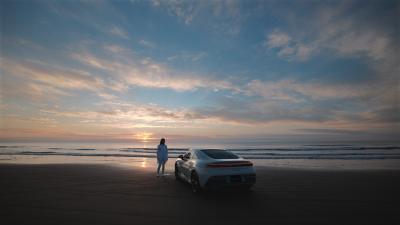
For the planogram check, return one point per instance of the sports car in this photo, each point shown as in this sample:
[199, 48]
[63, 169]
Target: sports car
[214, 169]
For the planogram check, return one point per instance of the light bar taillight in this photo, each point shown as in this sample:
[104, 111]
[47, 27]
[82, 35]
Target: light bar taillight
[229, 164]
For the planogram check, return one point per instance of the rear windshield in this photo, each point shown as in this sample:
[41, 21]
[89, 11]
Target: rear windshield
[219, 154]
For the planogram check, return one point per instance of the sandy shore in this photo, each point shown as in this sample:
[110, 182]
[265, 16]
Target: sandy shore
[101, 194]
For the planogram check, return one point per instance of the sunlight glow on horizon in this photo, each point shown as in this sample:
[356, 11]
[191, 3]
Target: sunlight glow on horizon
[144, 136]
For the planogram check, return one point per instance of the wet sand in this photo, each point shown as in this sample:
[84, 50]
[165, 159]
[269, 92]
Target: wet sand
[102, 194]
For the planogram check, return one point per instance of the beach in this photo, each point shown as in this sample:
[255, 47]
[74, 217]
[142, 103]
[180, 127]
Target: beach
[96, 95]
[111, 194]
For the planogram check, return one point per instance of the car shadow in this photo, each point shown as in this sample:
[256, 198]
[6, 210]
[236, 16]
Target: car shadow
[220, 192]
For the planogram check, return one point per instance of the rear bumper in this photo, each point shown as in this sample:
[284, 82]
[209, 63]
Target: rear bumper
[231, 181]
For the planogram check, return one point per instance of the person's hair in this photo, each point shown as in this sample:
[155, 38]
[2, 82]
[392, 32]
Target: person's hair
[162, 141]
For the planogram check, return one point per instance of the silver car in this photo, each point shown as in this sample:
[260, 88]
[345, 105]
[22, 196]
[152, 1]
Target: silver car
[214, 169]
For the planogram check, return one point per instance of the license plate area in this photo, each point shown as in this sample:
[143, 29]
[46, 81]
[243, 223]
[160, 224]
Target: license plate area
[236, 179]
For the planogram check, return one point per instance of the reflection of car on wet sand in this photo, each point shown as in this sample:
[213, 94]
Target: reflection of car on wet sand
[214, 169]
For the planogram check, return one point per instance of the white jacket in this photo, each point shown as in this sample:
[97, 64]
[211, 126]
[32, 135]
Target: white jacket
[162, 153]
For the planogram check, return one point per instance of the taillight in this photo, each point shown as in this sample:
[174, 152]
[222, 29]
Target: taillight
[230, 164]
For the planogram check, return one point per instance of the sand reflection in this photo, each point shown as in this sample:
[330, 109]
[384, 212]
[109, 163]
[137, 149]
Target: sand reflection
[144, 163]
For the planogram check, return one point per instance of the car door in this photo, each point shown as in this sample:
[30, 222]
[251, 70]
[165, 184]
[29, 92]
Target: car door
[186, 165]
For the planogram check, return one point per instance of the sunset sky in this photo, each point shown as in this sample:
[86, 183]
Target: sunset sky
[199, 70]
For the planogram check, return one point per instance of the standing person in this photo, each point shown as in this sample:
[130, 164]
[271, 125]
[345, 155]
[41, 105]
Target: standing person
[162, 156]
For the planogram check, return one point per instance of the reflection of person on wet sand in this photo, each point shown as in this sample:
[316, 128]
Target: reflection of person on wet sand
[162, 156]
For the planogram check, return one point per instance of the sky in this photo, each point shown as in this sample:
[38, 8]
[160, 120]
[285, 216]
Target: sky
[242, 71]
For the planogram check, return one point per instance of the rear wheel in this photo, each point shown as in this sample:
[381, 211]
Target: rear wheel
[177, 172]
[195, 182]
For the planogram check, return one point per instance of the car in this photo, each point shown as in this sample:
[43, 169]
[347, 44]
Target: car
[214, 169]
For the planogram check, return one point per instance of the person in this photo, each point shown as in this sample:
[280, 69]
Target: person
[162, 156]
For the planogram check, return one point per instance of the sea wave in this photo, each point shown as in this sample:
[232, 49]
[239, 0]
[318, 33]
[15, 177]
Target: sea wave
[154, 151]
[246, 156]
[316, 151]
[320, 148]
[78, 149]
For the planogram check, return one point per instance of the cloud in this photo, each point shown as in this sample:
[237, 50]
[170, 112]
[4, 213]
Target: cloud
[330, 28]
[254, 103]
[294, 91]
[95, 15]
[29, 44]
[388, 114]
[146, 73]
[119, 32]
[185, 56]
[129, 115]
[286, 52]
[277, 39]
[269, 101]
[311, 102]
[330, 131]
[223, 16]
[352, 35]
[115, 48]
[43, 80]
[303, 52]
[90, 60]
[50, 75]
[288, 48]
[269, 98]
[12, 89]
[184, 10]
[373, 45]
[368, 34]
[157, 76]
[261, 113]
[147, 44]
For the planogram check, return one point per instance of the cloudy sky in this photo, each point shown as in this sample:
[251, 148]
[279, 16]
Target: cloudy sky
[199, 70]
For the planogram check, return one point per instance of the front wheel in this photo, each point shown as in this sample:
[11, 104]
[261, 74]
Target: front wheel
[195, 182]
[176, 172]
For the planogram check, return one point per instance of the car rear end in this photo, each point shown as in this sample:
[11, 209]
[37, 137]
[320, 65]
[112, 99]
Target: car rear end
[226, 171]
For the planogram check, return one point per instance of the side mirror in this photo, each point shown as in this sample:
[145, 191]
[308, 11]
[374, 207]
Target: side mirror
[180, 156]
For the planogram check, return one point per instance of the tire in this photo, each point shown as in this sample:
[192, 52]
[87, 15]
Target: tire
[195, 182]
[177, 173]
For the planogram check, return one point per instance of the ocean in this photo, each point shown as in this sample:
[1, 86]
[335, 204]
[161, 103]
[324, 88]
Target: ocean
[303, 155]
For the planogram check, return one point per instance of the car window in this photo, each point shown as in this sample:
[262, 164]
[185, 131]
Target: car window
[219, 154]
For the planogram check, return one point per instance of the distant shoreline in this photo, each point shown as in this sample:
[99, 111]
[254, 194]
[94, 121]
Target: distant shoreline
[312, 156]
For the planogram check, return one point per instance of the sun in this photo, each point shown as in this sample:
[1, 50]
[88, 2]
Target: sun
[144, 136]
